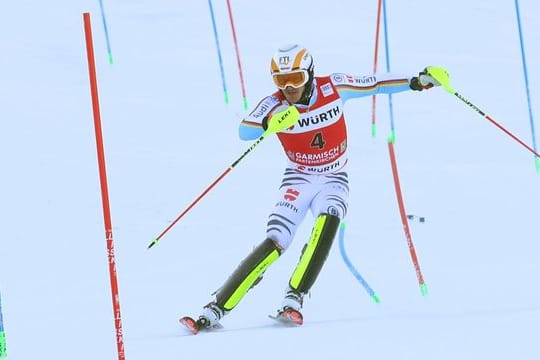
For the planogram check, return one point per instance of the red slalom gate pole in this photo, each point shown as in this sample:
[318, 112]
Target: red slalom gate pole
[104, 189]
[375, 65]
[405, 221]
[244, 96]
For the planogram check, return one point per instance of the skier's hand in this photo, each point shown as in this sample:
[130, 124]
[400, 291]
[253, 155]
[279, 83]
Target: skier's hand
[283, 117]
[264, 123]
[423, 81]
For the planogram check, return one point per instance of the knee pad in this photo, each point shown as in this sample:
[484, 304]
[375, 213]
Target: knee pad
[314, 253]
[247, 274]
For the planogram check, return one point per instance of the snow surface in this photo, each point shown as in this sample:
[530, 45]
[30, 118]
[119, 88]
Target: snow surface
[168, 134]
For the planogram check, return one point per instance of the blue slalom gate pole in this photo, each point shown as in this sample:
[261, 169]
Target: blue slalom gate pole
[351, 267]
[103, 18]
[218, 47]
[392, 137]
[3, 350]
[526, 76]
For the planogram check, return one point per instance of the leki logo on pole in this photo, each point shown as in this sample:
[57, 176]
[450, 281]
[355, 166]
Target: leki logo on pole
[284, 116]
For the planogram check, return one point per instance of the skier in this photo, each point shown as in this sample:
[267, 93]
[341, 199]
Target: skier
[315, 177]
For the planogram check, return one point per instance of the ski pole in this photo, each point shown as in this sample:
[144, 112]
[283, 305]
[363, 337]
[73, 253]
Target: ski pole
[277, 123]
[443, 78]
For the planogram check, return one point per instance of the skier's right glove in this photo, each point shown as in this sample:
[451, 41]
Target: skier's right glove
[264, 123]
[423, 81]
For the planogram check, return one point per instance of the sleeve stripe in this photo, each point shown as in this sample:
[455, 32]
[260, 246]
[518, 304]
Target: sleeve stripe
[382, 84]
[251, 124]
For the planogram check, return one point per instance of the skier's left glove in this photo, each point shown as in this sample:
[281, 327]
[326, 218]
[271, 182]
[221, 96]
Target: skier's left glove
[423, 81]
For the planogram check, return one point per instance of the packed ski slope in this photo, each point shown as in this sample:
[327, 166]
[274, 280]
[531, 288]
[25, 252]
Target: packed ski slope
[168, 134]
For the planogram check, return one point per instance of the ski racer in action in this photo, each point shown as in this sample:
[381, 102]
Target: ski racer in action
[315, 176]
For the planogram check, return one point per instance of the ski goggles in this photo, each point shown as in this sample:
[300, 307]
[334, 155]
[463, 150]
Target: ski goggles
[296, 79]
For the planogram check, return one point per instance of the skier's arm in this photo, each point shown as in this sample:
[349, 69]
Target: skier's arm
[253, 125]
[350, 86]
[250, 130]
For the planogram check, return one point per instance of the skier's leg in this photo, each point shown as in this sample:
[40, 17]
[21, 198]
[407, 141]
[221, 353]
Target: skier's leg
[244, 277]
[247, 274]
[291, 207]
[333, 197]
[311, 261]
[330, 204]
[295, 195]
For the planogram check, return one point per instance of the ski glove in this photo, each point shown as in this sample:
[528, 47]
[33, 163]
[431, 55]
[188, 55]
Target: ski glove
[423, 81]
[264, 123]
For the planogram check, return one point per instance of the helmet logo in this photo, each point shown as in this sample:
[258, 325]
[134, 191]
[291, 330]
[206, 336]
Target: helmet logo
[284, 60]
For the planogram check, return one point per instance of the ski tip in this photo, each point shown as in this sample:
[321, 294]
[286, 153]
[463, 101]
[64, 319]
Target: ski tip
[288, 317]
[196, 326]
[189, 324]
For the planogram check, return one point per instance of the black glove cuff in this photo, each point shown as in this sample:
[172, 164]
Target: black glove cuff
[264, 123]
[415, 84]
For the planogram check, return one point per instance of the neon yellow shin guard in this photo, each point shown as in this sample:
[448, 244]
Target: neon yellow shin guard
[314, 253]
[247, 274]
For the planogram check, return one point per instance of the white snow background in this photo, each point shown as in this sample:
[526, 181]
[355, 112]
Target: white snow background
[168, 134]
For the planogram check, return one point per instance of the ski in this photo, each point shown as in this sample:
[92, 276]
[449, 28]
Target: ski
[288, 317]
[190, 325]
[194, 326]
